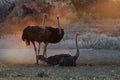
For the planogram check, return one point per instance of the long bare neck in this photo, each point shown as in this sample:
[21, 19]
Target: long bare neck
[77, 48]
[58, 23]
[43, 22]
[76, 41]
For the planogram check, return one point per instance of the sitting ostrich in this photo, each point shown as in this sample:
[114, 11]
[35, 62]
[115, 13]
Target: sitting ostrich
[62, 59]
[45, 34]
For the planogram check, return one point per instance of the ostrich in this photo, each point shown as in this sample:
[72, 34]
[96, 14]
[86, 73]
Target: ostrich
[45, 34]
[62, 59]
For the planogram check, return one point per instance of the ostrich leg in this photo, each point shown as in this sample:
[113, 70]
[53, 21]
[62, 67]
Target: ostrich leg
[45, 49]
[39, 48]
[35, 48]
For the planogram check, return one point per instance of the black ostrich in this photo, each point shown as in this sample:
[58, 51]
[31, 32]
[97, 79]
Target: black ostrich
[62, 59]
[45, 34]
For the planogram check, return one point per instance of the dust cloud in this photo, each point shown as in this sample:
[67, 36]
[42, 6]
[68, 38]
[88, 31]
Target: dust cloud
[14, 51]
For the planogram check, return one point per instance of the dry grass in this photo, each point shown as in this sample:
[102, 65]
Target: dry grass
[35, 72]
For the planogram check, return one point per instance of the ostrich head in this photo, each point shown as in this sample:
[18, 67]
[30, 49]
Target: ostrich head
[58, 22]
[77, 33]
[45, 15]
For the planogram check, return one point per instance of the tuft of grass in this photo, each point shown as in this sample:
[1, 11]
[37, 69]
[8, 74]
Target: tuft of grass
[42, 74]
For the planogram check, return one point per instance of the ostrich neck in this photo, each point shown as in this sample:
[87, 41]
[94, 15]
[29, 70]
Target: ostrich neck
[59, 26]
[43, 23]
[77, 48]
[76, 41]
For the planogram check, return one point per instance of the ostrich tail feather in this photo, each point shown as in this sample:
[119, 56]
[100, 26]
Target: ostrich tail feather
[27, 43]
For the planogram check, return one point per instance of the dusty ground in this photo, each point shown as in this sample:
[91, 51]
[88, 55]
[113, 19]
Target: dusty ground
[34, 72]
[17, 64]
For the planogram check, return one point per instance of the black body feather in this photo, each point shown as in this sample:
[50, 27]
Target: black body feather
[36, 33]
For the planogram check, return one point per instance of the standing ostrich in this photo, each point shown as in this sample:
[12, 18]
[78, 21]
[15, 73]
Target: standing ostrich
[45, 34]
[62, 59]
